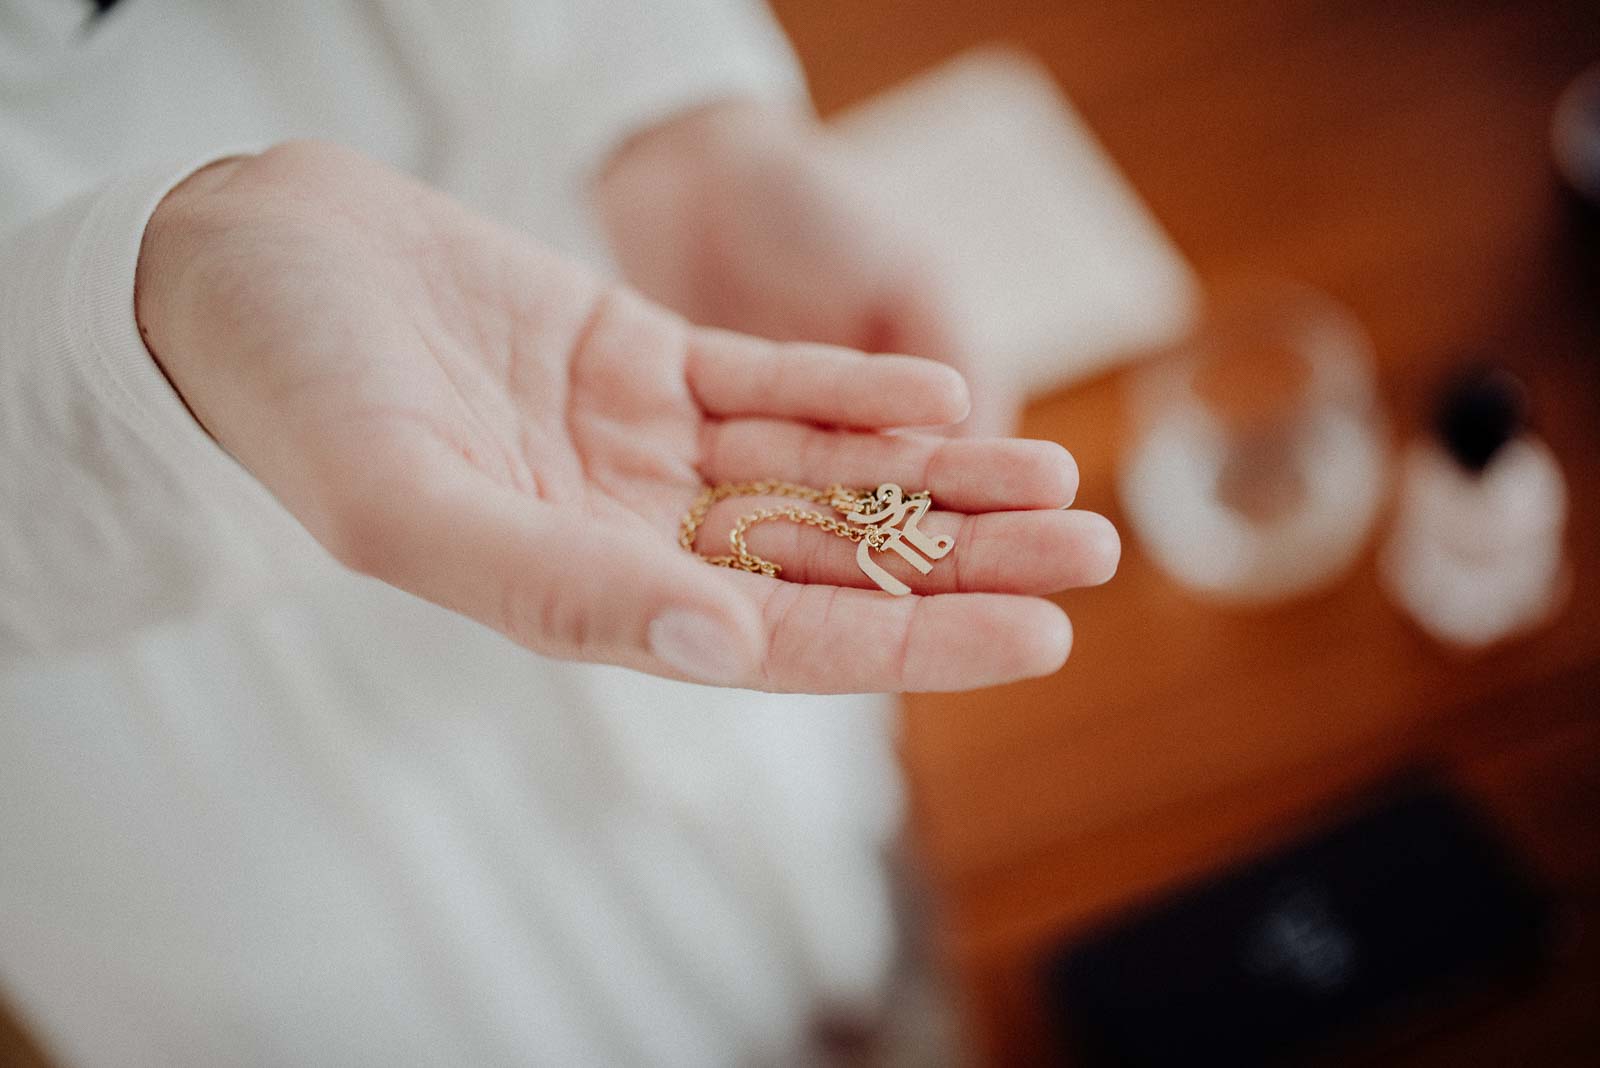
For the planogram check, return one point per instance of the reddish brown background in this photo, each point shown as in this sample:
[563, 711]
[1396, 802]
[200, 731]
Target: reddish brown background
[1395, 154]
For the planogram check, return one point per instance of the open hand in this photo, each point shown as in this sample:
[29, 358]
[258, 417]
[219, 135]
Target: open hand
[756, 218]
[451, 408]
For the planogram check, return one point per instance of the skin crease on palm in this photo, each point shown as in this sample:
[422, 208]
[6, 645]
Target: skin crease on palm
[450, 407]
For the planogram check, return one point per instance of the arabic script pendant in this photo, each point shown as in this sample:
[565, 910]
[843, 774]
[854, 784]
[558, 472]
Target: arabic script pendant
[879, 512]
[870, 520]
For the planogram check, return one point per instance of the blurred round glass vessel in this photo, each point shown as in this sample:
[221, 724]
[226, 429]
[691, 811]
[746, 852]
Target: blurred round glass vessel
[1258, 465]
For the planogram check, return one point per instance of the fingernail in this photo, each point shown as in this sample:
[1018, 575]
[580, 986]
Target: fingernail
[965, 400]
[1107, 551]
[698, 646]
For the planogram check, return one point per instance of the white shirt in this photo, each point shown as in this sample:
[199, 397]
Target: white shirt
[255, 809]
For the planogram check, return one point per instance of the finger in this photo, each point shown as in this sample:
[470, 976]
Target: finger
[920, 316]
[555, 581]
[824, 639]
[968, 475]
[996, 409]
[1034, 552]
[732, 374]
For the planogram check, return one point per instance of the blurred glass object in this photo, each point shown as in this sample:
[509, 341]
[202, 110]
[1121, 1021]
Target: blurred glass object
[1258, 466]
[1476, 552]
[1575, 135]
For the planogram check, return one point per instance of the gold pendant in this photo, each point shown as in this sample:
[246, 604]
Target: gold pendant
[879, 512]
[870, 520]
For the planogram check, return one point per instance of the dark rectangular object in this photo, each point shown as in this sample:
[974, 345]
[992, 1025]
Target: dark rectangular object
[1401, 906]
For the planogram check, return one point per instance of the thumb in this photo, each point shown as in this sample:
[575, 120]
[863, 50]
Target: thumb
[562, 583]
[996, 408]
[921, 317]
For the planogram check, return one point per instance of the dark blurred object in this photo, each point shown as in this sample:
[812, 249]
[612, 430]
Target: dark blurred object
[1388, 913]
[1480, 410]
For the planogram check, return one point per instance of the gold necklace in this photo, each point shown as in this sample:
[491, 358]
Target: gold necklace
[869, 521]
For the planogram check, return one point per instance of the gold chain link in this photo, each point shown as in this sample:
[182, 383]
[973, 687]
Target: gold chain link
[840, 499]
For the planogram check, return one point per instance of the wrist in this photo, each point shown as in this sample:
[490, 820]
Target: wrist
[720, 136]
[704, 158]
[172, 241]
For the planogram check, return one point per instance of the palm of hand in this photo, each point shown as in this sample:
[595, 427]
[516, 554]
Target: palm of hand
[457, 411]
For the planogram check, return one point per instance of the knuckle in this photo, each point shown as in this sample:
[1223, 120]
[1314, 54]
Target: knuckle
[539, 616]
[777, 617]
[961, 572]
[904, 667]
[934, 462]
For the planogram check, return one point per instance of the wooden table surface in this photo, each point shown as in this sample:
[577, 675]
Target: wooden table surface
[1393, 153]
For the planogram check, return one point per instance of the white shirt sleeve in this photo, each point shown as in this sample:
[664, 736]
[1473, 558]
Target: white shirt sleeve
[116, 508]
[638, 62]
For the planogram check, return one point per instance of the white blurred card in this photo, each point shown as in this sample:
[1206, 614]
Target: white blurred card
[1059, 269]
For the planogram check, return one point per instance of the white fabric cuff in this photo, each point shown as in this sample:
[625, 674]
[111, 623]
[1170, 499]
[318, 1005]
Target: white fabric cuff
[120, 509]
[102, 327]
